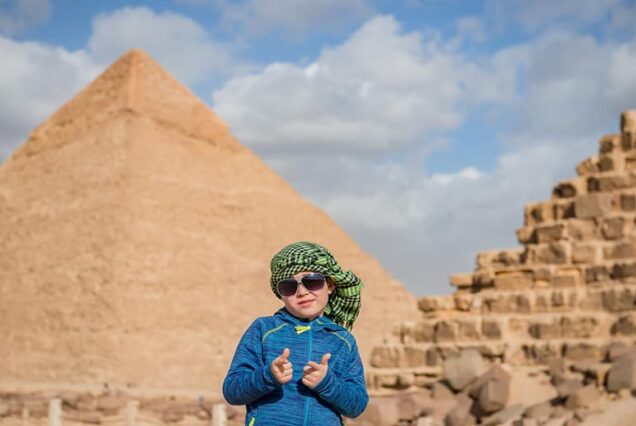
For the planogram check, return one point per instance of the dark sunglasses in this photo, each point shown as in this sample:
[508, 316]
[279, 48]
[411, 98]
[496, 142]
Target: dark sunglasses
[312, 282]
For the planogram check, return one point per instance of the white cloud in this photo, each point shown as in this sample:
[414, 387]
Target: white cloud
[295, 18]
[380, 90]
[180, 44]
[35, 80]
[17, 15]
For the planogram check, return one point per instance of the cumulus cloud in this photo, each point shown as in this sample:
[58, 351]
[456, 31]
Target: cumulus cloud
[177, 42]
[380, 90]
[17, 15]
[35, 80]
[294, 17]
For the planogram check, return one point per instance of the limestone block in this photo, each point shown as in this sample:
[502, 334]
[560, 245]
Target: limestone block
[563, 209]
[582, 351]
[444, 331]
[611, 181]
[628, 130]
[620, 250]
[527, 235]
[622, 374]
[551, 233]
[499, 258]
[597, 273]
[545, 330]
[541, 411]
[613, 162]
[583, 397]
[462, 369]
[467, 329]
[461, 281]
[627, 202]
[460, 414]
[609, 143]
[491, 329]
[566, 277]
[389, 356]
[441, 392]
[538, 213]
[585, 253]
[483, 278]
[419, 332]
[624, 326]
[579, 327]
[432, 357]
[618, 349]
[429, 304]
[569, 188]
[381, 410]
[615, 300]
[514, 280]
[582, 230]
[567, 387]
[493, 395]
[463, 302]
[613, 228]
[592, 205]
[629, 161]
[587, 166]
[552, 253]
[539, 353]
[624, 271]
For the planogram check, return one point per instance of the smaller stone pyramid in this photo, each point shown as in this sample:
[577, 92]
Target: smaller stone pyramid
[135, 239]
[569, 291]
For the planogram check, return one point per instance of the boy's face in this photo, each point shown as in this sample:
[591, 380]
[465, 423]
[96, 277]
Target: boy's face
[308, 304]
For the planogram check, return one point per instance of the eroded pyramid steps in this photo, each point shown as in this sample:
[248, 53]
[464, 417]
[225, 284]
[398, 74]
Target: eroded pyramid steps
[135, 239]
[569, 290]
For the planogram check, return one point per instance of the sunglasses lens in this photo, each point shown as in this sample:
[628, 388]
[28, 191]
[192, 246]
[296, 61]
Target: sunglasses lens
[287, 287]
[313, 282]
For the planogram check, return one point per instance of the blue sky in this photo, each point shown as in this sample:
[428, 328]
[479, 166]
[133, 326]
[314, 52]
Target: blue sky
[429, 123]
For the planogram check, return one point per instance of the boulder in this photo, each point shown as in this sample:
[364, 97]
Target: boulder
[540, 412]
[460, 415]
[583, 397]
[381, 411]
[622, 374]
[462, 369]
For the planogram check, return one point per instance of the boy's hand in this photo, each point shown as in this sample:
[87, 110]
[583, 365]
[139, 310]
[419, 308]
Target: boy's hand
[313, 373]
[281, 368]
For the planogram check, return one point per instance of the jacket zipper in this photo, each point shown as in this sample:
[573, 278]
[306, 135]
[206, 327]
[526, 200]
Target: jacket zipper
[308, 399]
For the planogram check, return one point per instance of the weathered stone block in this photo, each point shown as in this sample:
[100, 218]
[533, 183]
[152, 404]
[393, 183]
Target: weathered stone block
[618, 349]
[609, 143]
[592, 205]
[582, 229]
[615, 300]
[498, 259]
[460, 370]
[567, 277]
[444, 331]
[551, 233]
[491, 329]
[583, 397]
[541, 411]
[628, 130]
[582, 351]
[541, 352]
[512, 280]
[461, 281]
[622, 374]
[526, 235]
[611, 162]
[597, 273]
[585, 253]
[460, 414]
[620, 250]
[467, 330]
[587, 166]
[579, 327]
[494, 394]
[545, 330]
[623, 271]
[567, 387]
[563, 210]
[613, 228]
[624, 326]
[569, 188]
[463, 302]
[419, 332]
[628, 202]
[538, 213]
[611, 181]
[428, 304]
[553, 253]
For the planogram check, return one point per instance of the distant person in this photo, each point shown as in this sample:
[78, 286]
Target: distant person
[301, 366]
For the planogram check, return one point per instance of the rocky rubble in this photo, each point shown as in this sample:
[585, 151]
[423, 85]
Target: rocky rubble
[472, 393]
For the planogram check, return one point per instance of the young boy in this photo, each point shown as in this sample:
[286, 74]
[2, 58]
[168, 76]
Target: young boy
[301, 366]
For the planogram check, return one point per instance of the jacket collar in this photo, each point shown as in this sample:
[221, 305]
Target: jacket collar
[318, 323]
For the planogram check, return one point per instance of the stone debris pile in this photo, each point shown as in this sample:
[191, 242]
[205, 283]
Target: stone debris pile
[472, 393]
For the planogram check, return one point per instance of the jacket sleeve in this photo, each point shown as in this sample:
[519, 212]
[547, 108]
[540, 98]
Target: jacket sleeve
[346, 392]
[248, 378]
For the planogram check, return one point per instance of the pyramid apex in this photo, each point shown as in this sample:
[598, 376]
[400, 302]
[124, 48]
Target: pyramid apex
[134, 84]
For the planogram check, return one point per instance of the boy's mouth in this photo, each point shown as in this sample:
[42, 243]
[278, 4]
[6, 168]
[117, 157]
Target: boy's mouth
[305, 303]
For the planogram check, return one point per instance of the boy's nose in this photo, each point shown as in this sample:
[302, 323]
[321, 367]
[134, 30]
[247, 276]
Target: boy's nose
[301, 290]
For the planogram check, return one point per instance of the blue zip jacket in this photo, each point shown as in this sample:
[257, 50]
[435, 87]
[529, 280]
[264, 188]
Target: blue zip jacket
[250, 381]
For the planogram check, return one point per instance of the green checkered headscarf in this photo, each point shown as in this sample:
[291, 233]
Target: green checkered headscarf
[344, 303]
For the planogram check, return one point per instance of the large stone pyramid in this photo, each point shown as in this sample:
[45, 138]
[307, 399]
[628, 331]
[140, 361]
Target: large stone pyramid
[135, 236]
